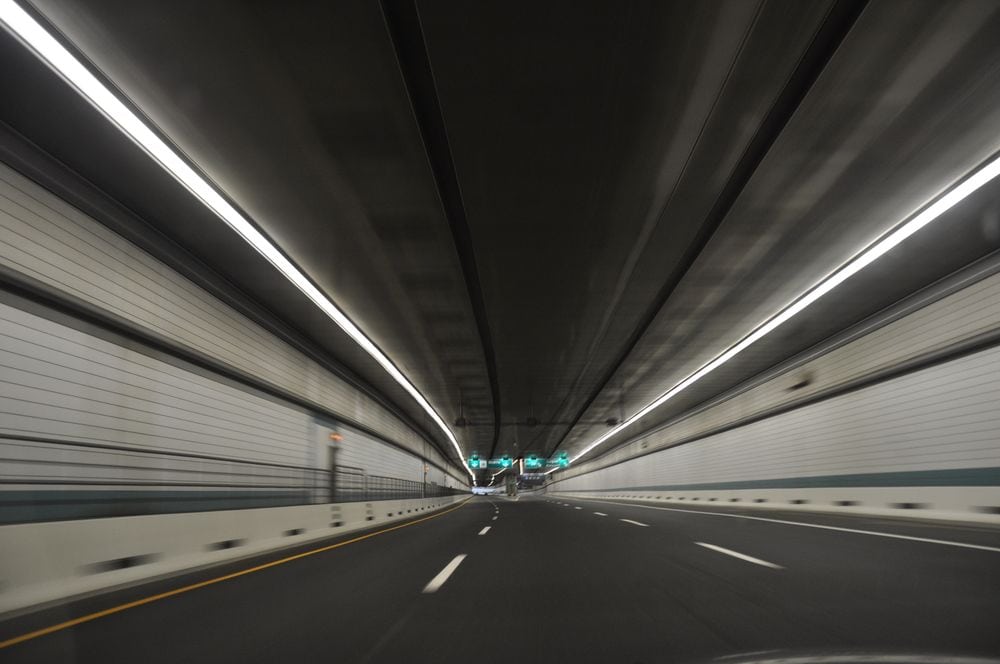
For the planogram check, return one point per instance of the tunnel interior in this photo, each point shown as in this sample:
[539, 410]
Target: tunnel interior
[429, 330]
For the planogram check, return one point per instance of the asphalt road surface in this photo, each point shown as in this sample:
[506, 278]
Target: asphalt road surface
[548, 579]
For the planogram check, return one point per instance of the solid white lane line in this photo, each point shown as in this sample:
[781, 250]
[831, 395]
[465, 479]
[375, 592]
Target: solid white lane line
[600, 513]
[741, 556]
[856, 531]
[635, 523]
[484, 530]
[442, 576]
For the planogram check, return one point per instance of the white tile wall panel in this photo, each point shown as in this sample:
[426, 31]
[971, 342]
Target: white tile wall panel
[48, 240]
[942, 417]
[439, 477]
[967, 313]
[57, 382]
[972, 311]
[359, 450]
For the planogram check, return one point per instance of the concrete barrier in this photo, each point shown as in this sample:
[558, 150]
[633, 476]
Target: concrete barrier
[964, 504]
[43, 563]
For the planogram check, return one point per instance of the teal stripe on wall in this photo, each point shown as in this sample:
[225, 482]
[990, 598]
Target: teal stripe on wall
[32, 506]
[948, 477]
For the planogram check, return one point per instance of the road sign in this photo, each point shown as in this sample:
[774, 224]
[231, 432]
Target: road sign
[534, 462]
[503, 462]
[561, 460]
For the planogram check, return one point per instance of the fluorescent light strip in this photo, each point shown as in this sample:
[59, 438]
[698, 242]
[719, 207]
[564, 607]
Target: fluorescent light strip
[866, 257]
[22, 25]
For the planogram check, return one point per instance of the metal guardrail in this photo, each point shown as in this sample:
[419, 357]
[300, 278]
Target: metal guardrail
[49, 479]
[354, 485]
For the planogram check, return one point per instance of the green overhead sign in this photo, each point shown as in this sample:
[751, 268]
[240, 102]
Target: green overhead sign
[503, 462]
[533, 462]
[561, 460]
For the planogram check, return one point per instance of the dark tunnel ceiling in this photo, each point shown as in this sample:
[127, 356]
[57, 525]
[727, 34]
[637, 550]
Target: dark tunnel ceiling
[639, 183]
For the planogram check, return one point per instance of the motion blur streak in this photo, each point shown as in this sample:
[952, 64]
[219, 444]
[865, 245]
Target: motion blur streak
[732, 266]
[21, 24]
[945, 202]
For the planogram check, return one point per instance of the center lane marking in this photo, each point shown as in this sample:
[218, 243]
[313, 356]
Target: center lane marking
[741, 556]
[635, 523]
[803, 524]
[442, 576]
[484, 530]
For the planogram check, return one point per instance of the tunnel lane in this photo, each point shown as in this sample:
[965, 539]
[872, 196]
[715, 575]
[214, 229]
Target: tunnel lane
[552, 583]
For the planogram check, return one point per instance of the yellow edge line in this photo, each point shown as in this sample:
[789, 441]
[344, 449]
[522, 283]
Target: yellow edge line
[201, 584]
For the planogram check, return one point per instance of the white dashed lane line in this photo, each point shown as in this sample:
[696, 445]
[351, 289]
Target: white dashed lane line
[741, 556]
[600, 513]
[635, 523]
[485, 530]
[442, 576]
[805, 524]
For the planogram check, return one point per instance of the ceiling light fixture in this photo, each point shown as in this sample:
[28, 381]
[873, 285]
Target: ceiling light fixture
[973, 182]
[19, 23]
